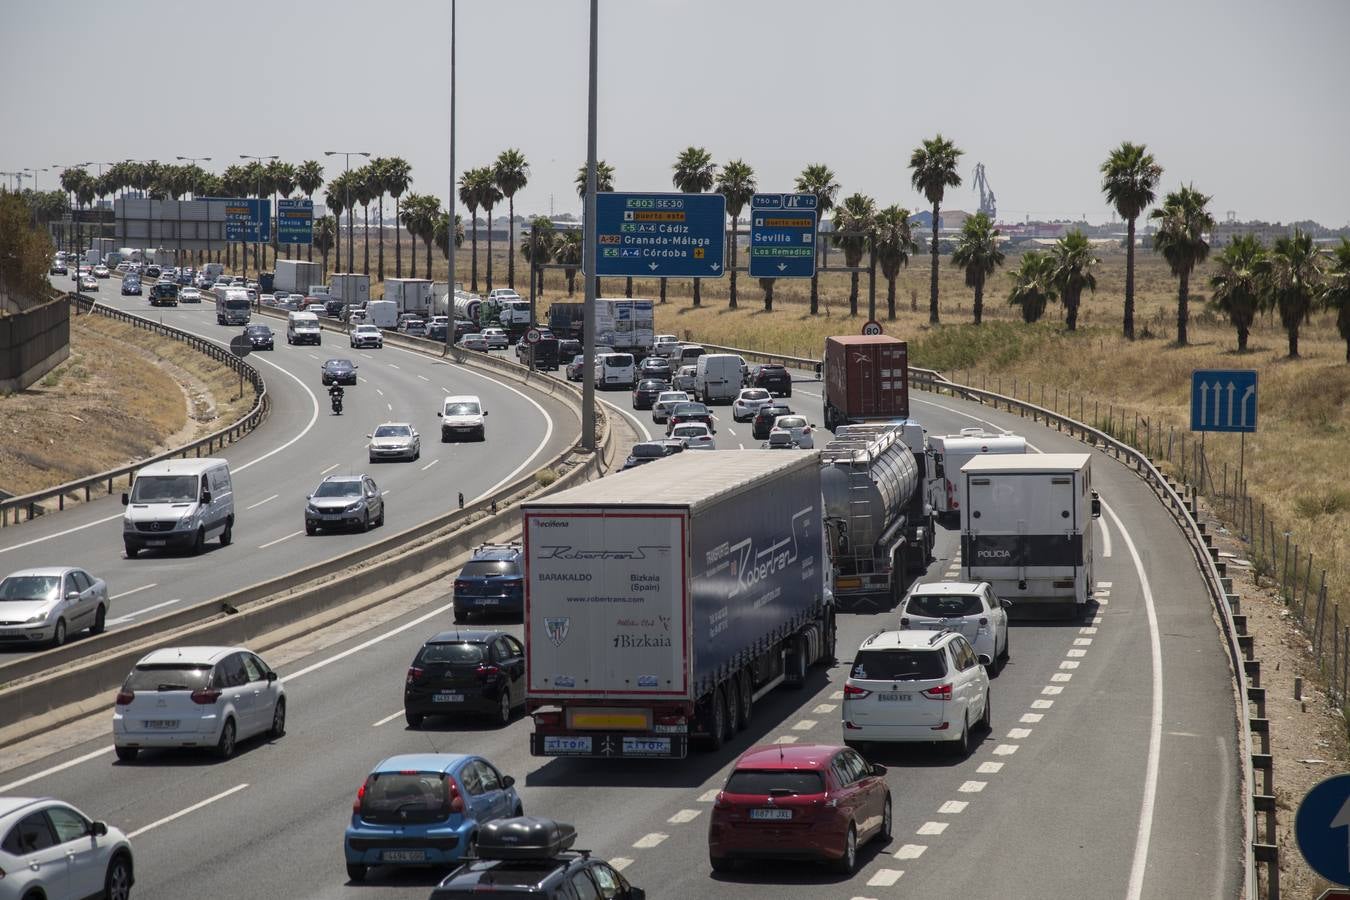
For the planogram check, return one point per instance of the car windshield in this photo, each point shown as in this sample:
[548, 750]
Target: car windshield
[755, 395]
[686, 431]
[339, 489]
[691, 409]
[164, 489]
[750, 781]
[480, 568]
[451, 654]
[393, 431]
[20, 588]
[772, 412]
[618, 360]
[405, 797]
[168, 677]
[944, 606]
[648, 451]
[673, 397]
[898, 665]
[790, 422]
[338, 364]
[367, 329]
[259, 329]
[651, 385]
[237, 302]
[461, 409]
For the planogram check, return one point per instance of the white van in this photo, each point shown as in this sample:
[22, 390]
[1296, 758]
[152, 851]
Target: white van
[381, 313]
[462, 417]
[615, 370]
[303, 328]
[178, 503]
[950, 452]
[718, 377]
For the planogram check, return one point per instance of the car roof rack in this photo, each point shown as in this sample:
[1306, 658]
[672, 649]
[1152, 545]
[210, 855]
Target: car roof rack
[939, 634]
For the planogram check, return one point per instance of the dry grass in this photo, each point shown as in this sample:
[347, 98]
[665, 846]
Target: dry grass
[122, 395]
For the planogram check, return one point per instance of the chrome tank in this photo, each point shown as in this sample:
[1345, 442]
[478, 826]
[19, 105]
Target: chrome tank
[866, 480]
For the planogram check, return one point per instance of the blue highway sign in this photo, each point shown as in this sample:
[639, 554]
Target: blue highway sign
[295, 221]
[1223, 400]
[662, 235]
[1322, 829]
[246, 219]
[783, 236]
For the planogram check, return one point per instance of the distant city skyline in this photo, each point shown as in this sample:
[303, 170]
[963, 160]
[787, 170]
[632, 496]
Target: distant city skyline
[1242, 99]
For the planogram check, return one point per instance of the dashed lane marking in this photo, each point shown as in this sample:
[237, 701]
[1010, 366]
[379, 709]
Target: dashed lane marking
[1018, 734]
[1042, 704]
[1076, 653]
[1088, 629]
[647, 841]
[1069, 664]
[330, 468]
[619, 863]
[1031, 718]
[386, 720]
[430, 464]
[932, 828]
[884, 878]
[261, 502]
[953, 807]
[1105, 584]
[910, 851]
[684, 815]
[183, 812]
[972, 787]
[425, 378]
[804, 725]
[1082, 642]
[822, 708]
[990, 768]
[280, 539]
[144, 587]
[708, 796]
[1005, 749]
[1051, 690]
[1061, 676]
[122, 620]
[837, 695]
[786, 739]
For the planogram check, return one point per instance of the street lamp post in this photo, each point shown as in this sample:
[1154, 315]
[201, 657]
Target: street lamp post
[258, 232]
[588, 346]
[450, 236]
[347, 199]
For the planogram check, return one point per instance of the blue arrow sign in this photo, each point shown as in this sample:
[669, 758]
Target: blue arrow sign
[246, 219]
[1223, 400]
[295, 221]
[1322, 829]
[782, 236]
[661, 235]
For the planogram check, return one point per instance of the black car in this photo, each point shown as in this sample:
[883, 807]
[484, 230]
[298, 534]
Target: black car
[466, 672]
[656, 367]
[650, 451]
[131, 286]
[527, 856]
[463, 327]
[492, 581]
[259, 336]
[646, 391]
[773, 378]
[762, 424]
[691, 412]
[568, 348]
[338, 371]
[58, 268]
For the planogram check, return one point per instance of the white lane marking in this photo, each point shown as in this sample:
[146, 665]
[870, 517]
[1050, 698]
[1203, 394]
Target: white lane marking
[684, 815]
[786, 739]
[1005, 749]
[430, 464]
[1019, 734]
[261, 502]
[1051, 690]
[183, 812]
[440, 610]
[1061, 677]
[144, 587]
[1070, 664]
[990, 768]
[1076, 653]
[837, 695]
[380, 392]
[280, 539]
[1082, 642]
[364, 380]
[425, 378]
[731, 431]
[619, 863]
[386, 720]
[972, 787]
[391, 406]
[952, 807]
[52, 770]
[392, 366]
[708, 796]
[647, 841]
[804, 725]
[932, 828]
[312, 356]
[122, 620]
[1145, 830]
[885, 878]
[910, 851]
[1106, 538]
[1105, 584]
[1042, 704]
[1031, 718]
[1088, 629]
[330, 468]
[1096, 620]
[823, 708]
[741, 446]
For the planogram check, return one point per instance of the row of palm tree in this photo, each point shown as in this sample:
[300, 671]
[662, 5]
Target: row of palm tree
[483, 187]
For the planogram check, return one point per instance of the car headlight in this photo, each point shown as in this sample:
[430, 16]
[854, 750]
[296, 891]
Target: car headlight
[353, 507]
[311, 508]
[34, 620]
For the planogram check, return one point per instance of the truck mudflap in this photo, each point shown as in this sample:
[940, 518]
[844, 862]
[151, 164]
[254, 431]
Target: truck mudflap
[610, 745]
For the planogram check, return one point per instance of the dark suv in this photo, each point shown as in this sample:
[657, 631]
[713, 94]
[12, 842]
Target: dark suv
[533, 857]
[773, 378]
[463, 672]
[493, 581]
[762, 424]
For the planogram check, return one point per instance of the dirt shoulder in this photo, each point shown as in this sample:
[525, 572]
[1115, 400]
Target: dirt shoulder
[124, 394]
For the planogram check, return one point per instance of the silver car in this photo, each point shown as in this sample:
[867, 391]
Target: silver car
[344, 501]
[665, 402]
[48, 605]
[395, 440]
[50, 849]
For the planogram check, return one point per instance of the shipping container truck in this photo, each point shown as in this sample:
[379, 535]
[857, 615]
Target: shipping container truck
[351, 288]
[662, 602]
[1027, 528]
[627, 325]
[567, 320]
[949, 452]
[866, 378]
[879, 524]
[409, 294]
[293, 276]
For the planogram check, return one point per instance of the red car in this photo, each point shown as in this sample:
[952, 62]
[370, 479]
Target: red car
[799, 801]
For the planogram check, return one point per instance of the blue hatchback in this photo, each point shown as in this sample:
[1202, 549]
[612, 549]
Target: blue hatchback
[493, 582]
[424, 809]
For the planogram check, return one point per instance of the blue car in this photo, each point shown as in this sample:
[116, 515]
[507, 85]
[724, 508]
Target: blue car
[424, 809]
[493, 581]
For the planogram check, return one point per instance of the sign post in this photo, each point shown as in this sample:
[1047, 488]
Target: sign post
[783, 235]
[658, 235]
[241, 346]
[1322, 829]
[1225, 400]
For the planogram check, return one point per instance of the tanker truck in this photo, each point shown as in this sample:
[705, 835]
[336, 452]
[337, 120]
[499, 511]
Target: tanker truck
[873, 479]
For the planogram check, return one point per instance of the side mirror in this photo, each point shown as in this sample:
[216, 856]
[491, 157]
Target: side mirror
[878, 770]
[1096, 505]
[125, 498]
[508, 781]
[206, 496]
[636, 893]
[369, 437]
[72, 595]
[271, 677]
[485, 412]
[1006, 604]
[98, 829]
[439, 414]
[986, 659]
[938, 469]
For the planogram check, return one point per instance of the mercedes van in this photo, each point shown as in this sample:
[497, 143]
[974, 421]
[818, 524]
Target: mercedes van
[303, 328]
[178, 503]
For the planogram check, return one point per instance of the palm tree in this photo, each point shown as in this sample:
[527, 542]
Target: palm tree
[567, 251]
[378, 173]
[440, 231]
[766, 284]
[469, 184]
[235, 181]
[1337, 293]
[325, 237]
[281, 181]
[397, 179]
[978, 254]
[604, 184]
[364, 191]
[1242, 284]
[489, 195]
[539, 248]
[1183, 221]
[309, 178]
[411, 216]
[1296, 281]
[736, 182]
[335, 199]
[817, 179]
[694, 172]
[511, 173]
[934, 170]
[1074, 263]
[895, 244]
[71, 181]
[854, 221]
[1033, 285]
[1129, 176]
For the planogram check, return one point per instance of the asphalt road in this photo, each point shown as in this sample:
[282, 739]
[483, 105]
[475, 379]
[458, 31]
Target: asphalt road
[1111, 769]
[277, 465]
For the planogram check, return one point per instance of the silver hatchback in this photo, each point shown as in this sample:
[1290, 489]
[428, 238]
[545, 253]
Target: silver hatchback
[49, 604]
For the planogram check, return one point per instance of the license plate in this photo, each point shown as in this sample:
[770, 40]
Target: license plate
[10, 632]
[403, 856]
[448, 698]
[488, 601]
[894, 698]
[155, 543]
[561, 743]
[646, 746]
[161, 723]
[772, 815]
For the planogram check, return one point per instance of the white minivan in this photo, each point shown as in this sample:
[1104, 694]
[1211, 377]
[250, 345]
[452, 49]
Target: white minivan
[178, 503]
[303, 328]
[718, 377]
[615, 370]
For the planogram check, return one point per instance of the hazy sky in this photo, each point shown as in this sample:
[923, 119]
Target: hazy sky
[1248, 100]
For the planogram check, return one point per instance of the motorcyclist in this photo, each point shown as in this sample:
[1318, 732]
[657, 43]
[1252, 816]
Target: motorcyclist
[335, 394]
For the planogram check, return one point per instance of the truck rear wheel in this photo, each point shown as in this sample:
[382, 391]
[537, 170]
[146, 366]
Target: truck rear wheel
[796, 673]
[715, 720]
[735, 713]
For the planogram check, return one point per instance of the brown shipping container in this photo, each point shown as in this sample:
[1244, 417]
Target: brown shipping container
[866, 377]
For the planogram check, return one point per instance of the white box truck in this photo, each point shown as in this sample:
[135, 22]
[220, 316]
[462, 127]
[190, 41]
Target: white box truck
[949, 452]
[293, 276]
[409, 294]
[351, 288]
[1027, 528]
[624, 325]
[662, 602]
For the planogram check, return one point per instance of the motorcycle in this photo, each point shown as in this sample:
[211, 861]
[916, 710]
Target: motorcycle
[337, 403]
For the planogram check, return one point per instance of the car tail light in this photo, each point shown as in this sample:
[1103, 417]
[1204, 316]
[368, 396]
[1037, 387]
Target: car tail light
[942, 727]
[360, 795]
[204, 697]
[460, 585]
[124, 698]
[414, 673]
[904, 621]
[941, 692]
[487, 671]
[806, 430]
[852, 691]
[456, 801]
[849, 726]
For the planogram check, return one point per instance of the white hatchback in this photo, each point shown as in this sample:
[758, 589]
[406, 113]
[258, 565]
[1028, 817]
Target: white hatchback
[695, 435]
[908, 686]
[972, 609]
[748, 402]
[210, 697]
[797, 427]
[50, 849]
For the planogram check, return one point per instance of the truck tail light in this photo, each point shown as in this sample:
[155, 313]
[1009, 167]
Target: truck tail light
[204, 697]
[124, 698]
[550, 719]
[941, 692]
[853, 692]
[414, 673]
[670, 720]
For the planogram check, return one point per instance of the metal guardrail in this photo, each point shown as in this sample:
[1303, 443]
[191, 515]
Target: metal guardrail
[32, 504]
